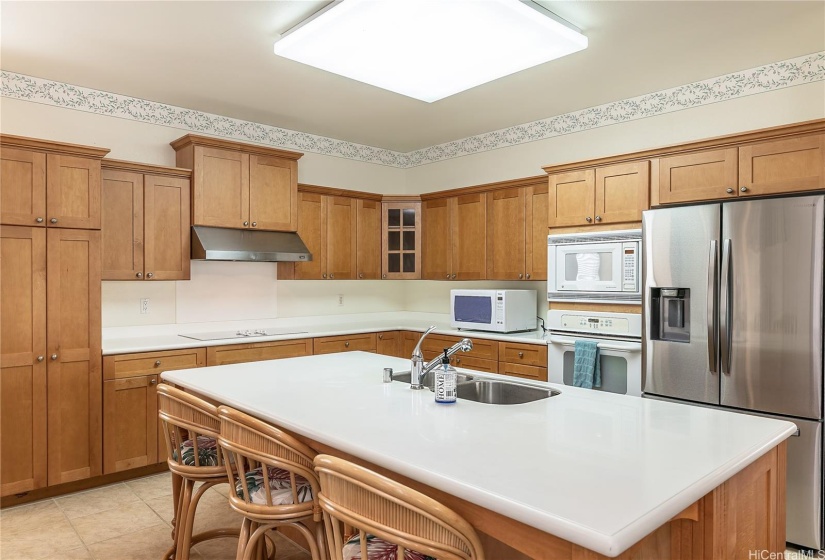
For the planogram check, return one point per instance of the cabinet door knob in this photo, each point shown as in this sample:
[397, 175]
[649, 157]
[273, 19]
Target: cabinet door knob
[380, 337]
[598, 218]
[589, 219]
[324, 275]
[39, 220]
[729, 190]
[150, 275]
[520, 276]
[383, 276]
[346, 344]
[744, 189]
[53, 220]
[139, 275]
[40, 358]
[331, 276]
[458, 360]
[153, 381]
[521, 354]
[360, 275]
[53, 357]
[528, 275]
[157, 363]
[245, 224]
[453, 277]
[254, 224]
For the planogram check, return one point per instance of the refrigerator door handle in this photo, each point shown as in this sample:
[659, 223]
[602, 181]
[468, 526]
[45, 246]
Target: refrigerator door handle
[713, 275]
[725, 307]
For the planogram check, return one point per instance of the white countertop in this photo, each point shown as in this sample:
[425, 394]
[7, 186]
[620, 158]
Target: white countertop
[123, 340]
[597, 469]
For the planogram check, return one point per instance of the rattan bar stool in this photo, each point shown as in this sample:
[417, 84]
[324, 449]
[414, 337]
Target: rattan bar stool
[273, 483]
[191, 428]
[391, 521]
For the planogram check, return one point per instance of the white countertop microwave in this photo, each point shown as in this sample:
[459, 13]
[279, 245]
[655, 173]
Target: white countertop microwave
[493, 310]
[602, 266]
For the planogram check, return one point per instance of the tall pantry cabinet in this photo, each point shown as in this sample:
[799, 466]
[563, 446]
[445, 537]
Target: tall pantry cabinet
[50, 356]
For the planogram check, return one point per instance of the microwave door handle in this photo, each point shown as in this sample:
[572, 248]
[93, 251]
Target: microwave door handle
[712, 295]
[725, 307]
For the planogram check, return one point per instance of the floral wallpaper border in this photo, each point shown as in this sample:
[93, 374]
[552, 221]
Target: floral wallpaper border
[787, 73]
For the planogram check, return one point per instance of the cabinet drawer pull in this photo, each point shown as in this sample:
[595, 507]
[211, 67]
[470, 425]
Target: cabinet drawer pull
[346, 344]
[157, 363]
[39, 220]
[53, 220]
[458, 360]
[521, 354]
[139, 275]
[53, 357]
[153, 381]
[380, 337]
[40, 358]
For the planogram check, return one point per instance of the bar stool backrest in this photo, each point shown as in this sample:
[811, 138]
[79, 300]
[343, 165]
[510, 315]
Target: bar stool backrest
[191, 429]
[251, 444]
[355, 497]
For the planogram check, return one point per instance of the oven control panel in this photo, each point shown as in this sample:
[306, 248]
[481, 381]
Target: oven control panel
[587, 323]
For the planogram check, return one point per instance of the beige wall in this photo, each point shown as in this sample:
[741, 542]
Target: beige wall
[230, 291]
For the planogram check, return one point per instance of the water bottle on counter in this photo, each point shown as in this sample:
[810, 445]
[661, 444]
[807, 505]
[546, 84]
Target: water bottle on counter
[445, 376]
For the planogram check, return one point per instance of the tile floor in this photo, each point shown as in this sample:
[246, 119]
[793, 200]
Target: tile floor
[125, 521]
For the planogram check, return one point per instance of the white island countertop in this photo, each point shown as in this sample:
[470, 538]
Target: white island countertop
[599, 470]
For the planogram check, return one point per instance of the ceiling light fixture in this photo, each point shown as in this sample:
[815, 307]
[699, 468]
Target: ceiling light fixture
[429, 49]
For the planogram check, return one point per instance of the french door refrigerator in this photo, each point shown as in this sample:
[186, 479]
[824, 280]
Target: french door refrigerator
[733, 305]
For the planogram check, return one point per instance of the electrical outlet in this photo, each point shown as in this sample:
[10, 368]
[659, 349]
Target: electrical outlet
[340, 300]
[144, 306]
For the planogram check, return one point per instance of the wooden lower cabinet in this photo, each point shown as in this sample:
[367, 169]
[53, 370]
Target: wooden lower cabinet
[130, 423]
[144, 363]
[258, 351]
[408, 341]
[389, 343]
[524, 354]
[346, 343]
[520, 370]
[462, 360]
[483, 348]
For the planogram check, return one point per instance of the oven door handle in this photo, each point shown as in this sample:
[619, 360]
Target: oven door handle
[616, 345]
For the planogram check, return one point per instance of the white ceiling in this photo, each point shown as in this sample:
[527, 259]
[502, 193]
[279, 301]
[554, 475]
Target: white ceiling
[217, 57]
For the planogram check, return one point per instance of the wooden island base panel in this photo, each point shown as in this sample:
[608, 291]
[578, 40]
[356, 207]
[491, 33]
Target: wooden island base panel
[746, 513]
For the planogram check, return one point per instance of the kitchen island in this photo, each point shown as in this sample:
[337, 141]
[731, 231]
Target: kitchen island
[577, 475]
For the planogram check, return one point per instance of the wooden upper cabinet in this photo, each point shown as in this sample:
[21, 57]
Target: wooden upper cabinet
[507, 234]
[239, 185]
[312, 228]
[22, 187]
[536, 202]
[74, 356]
[273, 196]
[401, 239]
[470, 237]
[622, 192]
[793, 164]
[572, 198]
[23, 453]
[122, 225]
[368, 243]
[436, 237]
[44, 183]
[706, 175]
[341, 238]
[166, 228]
[221, 188]
[146, 219]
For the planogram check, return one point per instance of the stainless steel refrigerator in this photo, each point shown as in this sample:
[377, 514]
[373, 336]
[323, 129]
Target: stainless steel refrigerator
[733, 306]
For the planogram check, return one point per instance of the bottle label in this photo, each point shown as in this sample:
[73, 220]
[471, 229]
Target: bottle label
[445, 387]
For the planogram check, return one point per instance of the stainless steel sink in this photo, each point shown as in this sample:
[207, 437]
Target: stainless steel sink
[429, 378]
[501, 392]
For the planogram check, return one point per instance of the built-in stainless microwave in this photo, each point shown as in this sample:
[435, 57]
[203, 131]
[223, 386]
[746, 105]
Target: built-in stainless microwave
[595, 267]
[493, 310]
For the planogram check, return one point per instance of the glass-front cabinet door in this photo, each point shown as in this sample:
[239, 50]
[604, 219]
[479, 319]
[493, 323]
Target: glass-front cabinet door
[401, 243]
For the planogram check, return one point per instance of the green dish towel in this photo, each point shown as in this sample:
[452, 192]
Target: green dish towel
[586, 371]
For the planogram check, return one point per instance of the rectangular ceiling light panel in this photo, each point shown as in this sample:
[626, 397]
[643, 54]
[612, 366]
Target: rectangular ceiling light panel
[429, 49]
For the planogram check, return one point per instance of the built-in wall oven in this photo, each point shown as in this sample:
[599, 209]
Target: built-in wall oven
[619, 338]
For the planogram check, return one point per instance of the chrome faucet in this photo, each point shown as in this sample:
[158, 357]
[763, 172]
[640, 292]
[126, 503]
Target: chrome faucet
[418, 369]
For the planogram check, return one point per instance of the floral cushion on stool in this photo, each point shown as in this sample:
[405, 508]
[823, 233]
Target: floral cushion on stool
[379, 549]
[207, 452]
[280, 487]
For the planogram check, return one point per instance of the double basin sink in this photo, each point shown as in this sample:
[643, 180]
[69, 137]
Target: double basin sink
[486, 391]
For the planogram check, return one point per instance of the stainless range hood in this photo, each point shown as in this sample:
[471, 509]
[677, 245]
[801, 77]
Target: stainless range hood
[225, 244]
